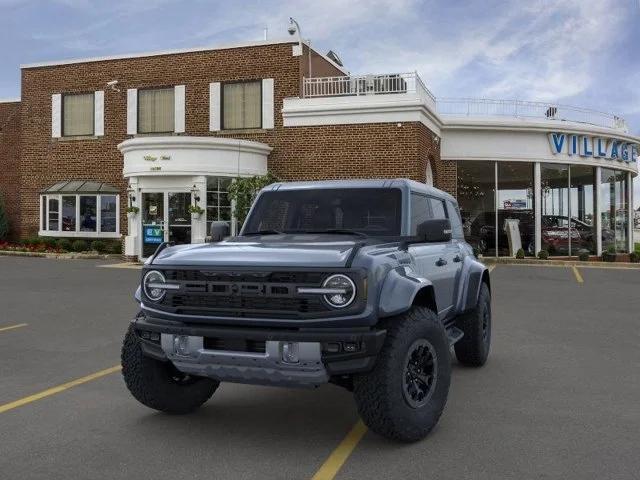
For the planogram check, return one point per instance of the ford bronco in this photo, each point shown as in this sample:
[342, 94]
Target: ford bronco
[366, 284]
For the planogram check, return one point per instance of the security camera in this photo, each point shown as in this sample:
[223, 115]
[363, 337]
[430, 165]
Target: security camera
[291, 29]
[112, 85]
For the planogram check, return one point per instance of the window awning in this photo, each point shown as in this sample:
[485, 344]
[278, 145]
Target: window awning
[81, 186]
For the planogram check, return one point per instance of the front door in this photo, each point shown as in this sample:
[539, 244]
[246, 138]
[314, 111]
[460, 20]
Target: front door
[179, 221]
[165, 218]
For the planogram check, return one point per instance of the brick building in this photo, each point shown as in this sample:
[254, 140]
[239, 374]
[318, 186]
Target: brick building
[162, 131]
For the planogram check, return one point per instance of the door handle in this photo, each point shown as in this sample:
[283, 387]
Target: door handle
[441, 262]
[457, 259]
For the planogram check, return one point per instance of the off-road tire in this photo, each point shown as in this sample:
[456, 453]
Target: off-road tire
[473, 348]
[380, 394]
[154, 383]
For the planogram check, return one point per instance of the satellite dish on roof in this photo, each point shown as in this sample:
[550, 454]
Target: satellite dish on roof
[334, 56]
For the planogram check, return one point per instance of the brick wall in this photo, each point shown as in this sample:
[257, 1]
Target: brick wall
[9, 160]
[444, 171]
[45, 161]
[299, 153]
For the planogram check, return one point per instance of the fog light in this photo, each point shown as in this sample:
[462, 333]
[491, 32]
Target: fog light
[290, 352]
[181, 345]
[350, 347]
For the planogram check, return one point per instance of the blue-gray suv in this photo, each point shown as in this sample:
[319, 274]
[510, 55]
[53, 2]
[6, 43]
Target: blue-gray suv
[366, 284]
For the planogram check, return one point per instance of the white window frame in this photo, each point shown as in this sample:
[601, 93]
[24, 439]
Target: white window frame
[78, 233]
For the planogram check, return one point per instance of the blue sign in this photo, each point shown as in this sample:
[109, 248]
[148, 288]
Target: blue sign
[591, 146]
[153, 234]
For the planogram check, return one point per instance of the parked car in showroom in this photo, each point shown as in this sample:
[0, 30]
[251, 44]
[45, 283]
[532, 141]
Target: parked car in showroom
[366, 284]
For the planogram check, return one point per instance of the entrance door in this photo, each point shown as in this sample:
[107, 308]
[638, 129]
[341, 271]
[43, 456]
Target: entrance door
[153, 222]
[179, 230]
[165, 218]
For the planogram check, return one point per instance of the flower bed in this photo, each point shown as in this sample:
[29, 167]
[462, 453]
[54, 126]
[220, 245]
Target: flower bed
[62, 245]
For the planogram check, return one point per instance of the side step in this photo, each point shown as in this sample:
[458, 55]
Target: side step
[454, 334]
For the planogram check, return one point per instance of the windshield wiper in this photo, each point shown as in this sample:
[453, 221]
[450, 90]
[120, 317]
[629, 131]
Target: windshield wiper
[337, 231]
[262, 232]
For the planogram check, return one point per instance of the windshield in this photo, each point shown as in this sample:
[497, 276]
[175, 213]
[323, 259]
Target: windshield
[371, 211]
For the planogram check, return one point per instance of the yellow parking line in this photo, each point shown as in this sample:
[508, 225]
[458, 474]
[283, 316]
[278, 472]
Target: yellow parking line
[11, 327]
[577, 274]
[332, 465]
[491, 267]
[60, 388]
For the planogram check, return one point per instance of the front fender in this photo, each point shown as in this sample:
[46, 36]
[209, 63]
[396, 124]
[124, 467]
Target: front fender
[473, 272]
[399, 289]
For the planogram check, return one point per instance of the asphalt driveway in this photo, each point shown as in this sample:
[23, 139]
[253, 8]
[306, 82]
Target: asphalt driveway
[557, 399]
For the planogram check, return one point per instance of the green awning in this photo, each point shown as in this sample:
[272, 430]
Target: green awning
[80, 187]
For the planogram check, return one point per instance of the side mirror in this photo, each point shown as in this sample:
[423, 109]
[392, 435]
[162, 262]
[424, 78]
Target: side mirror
[435, 231]
[219, 231]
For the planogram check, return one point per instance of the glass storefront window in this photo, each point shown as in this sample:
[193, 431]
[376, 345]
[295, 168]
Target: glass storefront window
[69, 213]
[515, 206]
[87, 213]
[53, 209]
[554, 198]
[108, 213]
[75, 215]
[218, 203]
[614, 210]
[581, 204]
[476, 199]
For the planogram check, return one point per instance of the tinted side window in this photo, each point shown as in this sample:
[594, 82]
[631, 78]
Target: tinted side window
[437, 208]
[419, 211]
[456, 222]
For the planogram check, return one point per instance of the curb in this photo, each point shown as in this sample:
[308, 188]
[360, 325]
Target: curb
[558, 263]
[61, 256]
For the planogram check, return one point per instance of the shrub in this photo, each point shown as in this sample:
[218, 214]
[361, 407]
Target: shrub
[543, 254]
[30, 241]
[99, 246]
[583, 255]
[4, 221]
[520, 253]
[634, 257]
[610, 254]
[79, 246]
[115, 248]
[64, 244]
[49, 242]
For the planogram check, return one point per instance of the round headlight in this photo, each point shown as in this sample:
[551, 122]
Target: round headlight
[154, 294]
[345, 291]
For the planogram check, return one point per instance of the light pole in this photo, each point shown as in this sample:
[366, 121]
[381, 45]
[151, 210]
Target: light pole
[294, 27]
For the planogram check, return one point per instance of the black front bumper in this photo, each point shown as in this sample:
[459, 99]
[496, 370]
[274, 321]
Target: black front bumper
[369, 341]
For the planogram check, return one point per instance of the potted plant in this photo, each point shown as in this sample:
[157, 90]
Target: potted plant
[132, 211]
[610, 254]
[195, 211]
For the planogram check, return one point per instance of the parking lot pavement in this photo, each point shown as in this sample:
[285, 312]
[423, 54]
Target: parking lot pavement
[557, 399]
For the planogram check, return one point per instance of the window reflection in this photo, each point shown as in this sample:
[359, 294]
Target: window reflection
[515, 208]
[582, 202]
[476, 198]
[614, 210]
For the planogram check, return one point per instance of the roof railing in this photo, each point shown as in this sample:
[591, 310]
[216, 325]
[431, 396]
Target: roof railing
[411, 83]
[357, 85]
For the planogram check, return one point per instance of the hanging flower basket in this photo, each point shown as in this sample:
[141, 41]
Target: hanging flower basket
[195, 211]
[132, 212]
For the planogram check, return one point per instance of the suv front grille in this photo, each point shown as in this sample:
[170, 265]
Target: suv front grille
[251, 294]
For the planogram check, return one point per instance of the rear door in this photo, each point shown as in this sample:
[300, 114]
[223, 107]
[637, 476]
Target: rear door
[432, 259]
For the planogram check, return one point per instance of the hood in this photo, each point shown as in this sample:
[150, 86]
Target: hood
[283, 251]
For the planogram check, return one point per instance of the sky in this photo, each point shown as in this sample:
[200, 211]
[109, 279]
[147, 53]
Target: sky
[577, 52]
